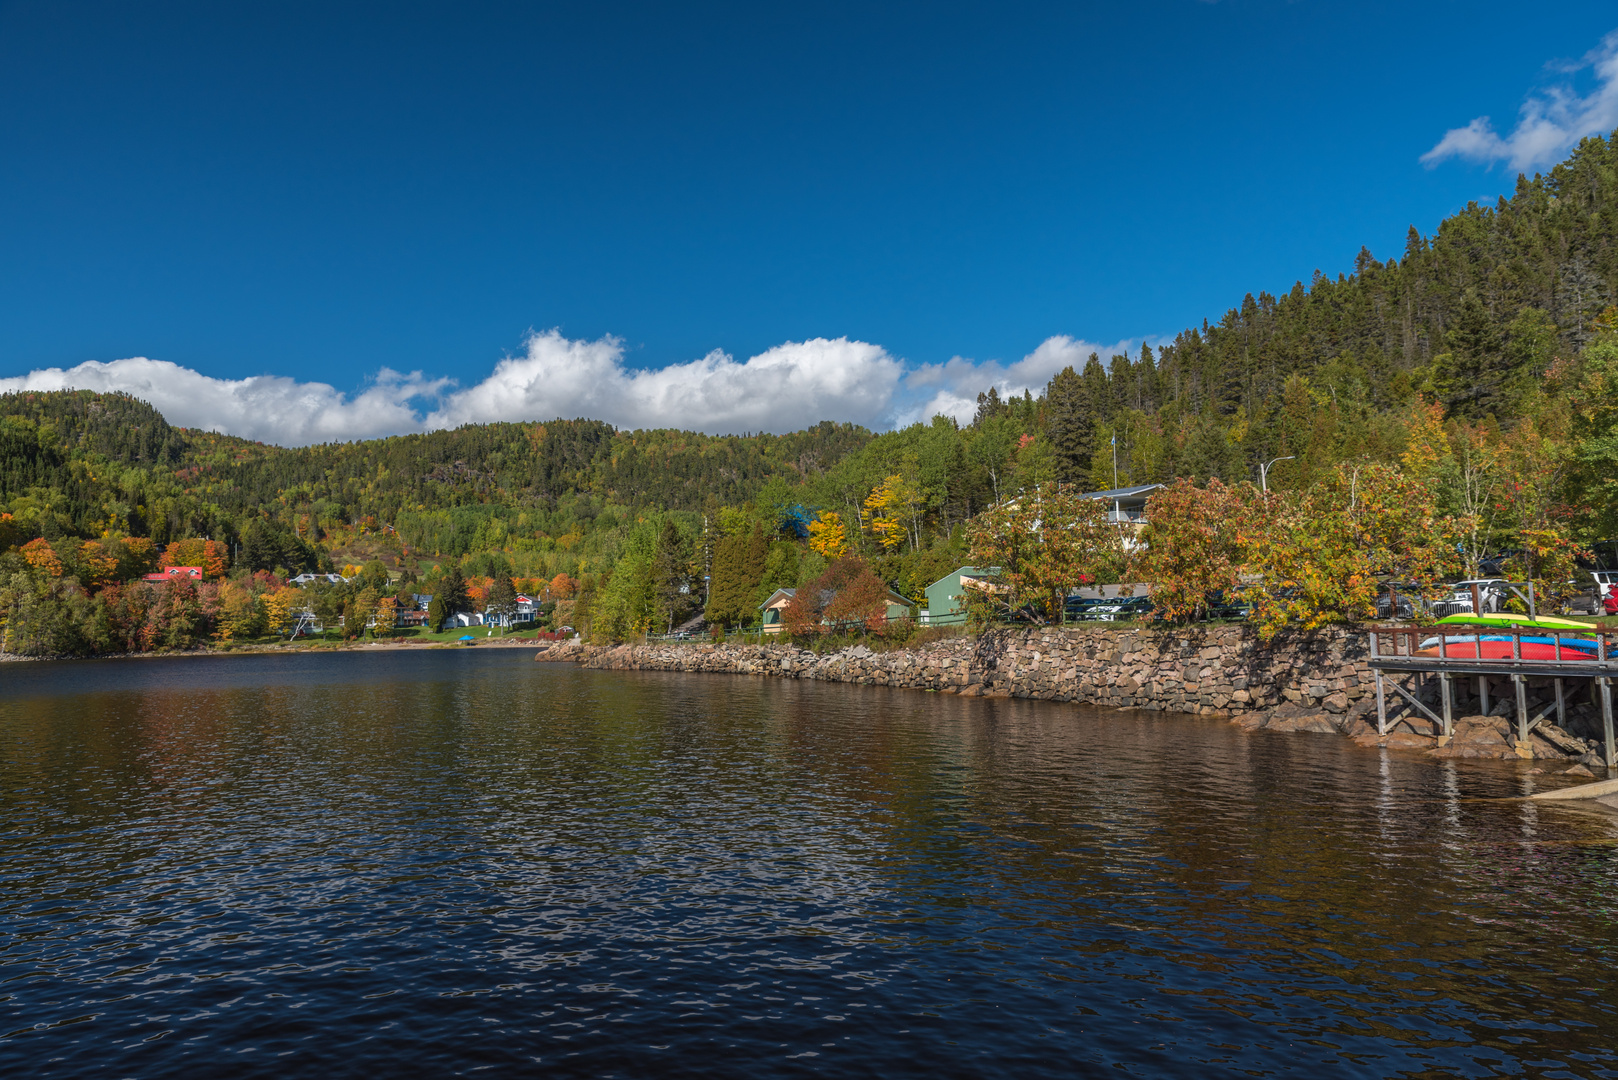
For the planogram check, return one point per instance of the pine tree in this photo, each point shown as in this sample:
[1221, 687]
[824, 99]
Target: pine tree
[989, 407]
[758, 552]
[503, 597]
[1470, 376]
[1097, 394]
[671, 574]
[1070, 424]
[727, 590]
[452, 592]
[1210, 454]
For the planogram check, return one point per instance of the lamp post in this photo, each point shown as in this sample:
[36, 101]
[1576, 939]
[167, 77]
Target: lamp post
[1264, 472]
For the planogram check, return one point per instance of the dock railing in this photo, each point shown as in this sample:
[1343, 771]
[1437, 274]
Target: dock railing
[1397, 651]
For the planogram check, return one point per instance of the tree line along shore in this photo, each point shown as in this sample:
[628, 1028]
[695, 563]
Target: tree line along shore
[1446, 408]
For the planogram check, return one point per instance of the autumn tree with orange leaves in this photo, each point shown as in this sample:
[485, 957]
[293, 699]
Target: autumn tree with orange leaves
[848, 592]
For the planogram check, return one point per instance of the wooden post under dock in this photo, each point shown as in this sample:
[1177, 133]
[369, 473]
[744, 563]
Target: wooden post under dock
[1406, 658]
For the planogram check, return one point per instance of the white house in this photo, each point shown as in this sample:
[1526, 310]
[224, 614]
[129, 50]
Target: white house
[305, 579]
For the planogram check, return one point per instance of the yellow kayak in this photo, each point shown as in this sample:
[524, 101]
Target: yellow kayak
[1507, 620]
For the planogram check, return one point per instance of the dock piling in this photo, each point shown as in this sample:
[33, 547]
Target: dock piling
[1606, 721]
[1448, 694]
[1522, 707]
[1562, 663]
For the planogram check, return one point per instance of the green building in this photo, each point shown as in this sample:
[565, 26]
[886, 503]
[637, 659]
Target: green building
[897, 607]
[946, 597]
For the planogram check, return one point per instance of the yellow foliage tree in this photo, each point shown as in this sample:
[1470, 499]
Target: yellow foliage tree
[241, 614]
[100, 566]
[828, 536]
[387, 613]
[1428, 444]
[278, 606]
[895, 509]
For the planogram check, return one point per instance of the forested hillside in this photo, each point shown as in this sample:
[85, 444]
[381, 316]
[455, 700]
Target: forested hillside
[1473, 315]
[1479, 361]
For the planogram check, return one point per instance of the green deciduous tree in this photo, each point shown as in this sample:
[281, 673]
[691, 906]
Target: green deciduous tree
[1046, 543]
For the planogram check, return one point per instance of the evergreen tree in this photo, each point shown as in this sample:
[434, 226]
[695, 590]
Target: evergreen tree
[1209, 453]
[1070, 424]
[259, 549]
[452, 592]
[1470, 377]
[738, 567]
[727, 587]
[671, 575]
[1097, 394]
[989, 407]
[502, 599]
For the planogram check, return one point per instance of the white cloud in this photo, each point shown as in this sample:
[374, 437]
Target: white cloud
[1552, 121]
[952, 388]
[270, 408]
[782, 389]
[798, 383]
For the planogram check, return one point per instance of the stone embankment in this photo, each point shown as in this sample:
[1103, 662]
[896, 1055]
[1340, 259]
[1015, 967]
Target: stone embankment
[1318, 681]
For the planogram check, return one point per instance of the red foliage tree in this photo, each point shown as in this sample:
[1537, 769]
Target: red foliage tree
[847, 592]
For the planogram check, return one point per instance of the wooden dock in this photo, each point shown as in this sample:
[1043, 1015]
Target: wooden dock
[1396, 651]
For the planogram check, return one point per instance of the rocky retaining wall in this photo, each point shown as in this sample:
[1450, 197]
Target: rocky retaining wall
[1317, 681]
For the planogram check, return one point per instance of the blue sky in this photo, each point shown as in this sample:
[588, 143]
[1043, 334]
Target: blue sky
[328, 194]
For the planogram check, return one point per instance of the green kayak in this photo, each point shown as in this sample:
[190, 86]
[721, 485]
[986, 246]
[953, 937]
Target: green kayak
[1507, 620]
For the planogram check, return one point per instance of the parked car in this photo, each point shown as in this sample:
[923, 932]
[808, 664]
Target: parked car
[1605, 581]
[1492, 591]
[1081, 608]
[1410, 603]
[1117, 610]
[1237, 605]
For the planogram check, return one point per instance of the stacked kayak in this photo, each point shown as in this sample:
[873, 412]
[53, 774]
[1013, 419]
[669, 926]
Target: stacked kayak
[1506, 620]
[1485, 646]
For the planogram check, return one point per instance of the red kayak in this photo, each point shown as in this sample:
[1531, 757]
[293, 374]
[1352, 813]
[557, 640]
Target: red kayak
[1498, 647]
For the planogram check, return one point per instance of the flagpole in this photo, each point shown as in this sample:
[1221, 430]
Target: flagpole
[1115, 459]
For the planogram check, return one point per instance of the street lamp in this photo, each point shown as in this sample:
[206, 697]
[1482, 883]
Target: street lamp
[1264, 472]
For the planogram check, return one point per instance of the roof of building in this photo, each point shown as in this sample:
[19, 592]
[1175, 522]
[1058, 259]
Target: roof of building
[786, 594]
[169, 573]
[1121, 493]
[969, 570]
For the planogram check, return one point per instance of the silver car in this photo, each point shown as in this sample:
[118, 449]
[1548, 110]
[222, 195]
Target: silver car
[1491, 591]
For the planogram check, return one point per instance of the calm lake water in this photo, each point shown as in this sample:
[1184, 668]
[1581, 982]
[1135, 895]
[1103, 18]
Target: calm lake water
[463, 862]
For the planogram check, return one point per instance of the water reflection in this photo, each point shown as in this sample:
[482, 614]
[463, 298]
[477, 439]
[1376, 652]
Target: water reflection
[367, 864]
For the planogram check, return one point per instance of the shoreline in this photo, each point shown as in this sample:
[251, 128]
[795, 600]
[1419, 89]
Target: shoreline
[285, 648]
[1318, 681]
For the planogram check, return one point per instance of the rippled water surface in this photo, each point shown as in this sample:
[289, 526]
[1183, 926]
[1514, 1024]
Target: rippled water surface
[466, 862]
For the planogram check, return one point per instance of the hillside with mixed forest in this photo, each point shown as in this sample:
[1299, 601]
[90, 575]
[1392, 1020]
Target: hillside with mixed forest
[1479, 360]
